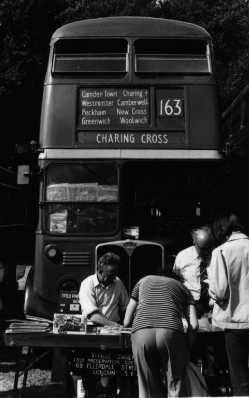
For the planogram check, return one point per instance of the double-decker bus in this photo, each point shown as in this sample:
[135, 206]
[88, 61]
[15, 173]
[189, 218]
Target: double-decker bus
[129, 143]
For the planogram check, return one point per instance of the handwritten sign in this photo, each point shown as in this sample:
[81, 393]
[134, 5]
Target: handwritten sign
[104, 364]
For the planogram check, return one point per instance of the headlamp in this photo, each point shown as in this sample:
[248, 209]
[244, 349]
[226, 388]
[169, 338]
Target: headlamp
[52, 252]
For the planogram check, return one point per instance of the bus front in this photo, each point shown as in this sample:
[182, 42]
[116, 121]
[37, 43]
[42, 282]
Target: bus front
[129, 138]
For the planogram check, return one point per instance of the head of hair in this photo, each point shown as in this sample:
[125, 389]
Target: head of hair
[224, 225]
[204, 242]
[108, 258]
[203, 237]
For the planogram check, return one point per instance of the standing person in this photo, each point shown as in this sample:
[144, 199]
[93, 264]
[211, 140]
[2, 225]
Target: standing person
[229, 288]
[103, 299]
[191, 265]
[158, 339]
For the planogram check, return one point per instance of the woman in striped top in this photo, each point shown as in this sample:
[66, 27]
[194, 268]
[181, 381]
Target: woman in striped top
[157, 306]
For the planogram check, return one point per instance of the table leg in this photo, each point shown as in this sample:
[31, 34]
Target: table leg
[59, 365]
[24, 382]
[60, 371]
[21, 369]
[15, 387]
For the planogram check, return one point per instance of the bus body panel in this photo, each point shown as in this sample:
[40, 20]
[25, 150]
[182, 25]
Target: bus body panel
[65, 269]
[131, 26]
[60, 107]
[58, 116]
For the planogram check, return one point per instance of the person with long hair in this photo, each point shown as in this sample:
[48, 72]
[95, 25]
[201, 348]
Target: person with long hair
[228, 275]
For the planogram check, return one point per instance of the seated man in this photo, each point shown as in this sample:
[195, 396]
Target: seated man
[103, 299]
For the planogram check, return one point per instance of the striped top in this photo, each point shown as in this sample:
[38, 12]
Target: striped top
[162, 302]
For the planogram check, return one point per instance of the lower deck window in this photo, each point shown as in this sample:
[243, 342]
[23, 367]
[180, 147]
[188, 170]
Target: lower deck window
[81, 218]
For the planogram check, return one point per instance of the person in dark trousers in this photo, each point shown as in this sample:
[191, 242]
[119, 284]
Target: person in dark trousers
[159, 344]
[228, 275]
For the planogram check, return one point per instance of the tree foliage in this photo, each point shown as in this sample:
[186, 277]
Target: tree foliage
[76, 10]
[26, 27]
[228, 24]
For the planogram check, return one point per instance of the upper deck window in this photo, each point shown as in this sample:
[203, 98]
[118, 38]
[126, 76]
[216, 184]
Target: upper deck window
[172, 56]
[90, 56]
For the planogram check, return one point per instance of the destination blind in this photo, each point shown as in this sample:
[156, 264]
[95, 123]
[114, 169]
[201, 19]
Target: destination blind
[113, 108]
[131, 117]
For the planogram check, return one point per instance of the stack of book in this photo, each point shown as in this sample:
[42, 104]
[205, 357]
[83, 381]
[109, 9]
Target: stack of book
[29, 325]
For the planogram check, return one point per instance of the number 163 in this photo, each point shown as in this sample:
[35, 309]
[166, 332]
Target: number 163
[171, 107]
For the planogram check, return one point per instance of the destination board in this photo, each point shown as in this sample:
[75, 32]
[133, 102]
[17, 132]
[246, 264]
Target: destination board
[113, 108]
[128, 139]
[131, 117]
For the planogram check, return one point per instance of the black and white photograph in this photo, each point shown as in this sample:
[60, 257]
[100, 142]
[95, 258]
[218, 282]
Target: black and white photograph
[124, 206]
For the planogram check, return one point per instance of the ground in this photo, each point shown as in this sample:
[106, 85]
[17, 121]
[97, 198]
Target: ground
[39, 385]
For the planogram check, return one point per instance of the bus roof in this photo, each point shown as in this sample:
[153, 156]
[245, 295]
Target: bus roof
[131, 26]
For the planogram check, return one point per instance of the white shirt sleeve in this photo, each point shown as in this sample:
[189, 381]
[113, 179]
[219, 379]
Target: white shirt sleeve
[176, 266]
[217, 275]
[87, 297]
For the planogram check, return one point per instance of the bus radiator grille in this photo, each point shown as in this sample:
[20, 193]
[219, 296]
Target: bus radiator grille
[76, 258]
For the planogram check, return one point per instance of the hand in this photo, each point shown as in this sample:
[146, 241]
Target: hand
[211, 302]
[115, 325]
[194, 326]
[118, 326]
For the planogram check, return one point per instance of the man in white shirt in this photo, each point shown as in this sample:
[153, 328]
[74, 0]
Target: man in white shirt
[190, 265]
[103, 299]
[103, 296]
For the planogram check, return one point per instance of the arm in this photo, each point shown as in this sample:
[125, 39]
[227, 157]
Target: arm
[177, 270]
[101, 320]
[192, 324]
[217, 275]
[192, 317]
[176, 266]
[124, 299]
[130, 310]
